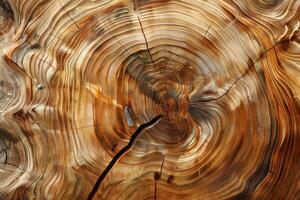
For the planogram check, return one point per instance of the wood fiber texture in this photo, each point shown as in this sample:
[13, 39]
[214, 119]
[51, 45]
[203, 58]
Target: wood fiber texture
[150, 99]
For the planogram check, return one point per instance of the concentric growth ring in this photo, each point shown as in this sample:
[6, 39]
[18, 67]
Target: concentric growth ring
[152, 99]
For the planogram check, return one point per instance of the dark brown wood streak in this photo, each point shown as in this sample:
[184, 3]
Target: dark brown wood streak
[121, 153]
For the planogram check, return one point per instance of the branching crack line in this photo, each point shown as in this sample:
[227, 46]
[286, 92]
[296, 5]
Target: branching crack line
[69, 16]
[235, 82]
[146, 42]
[143, 33]
[122, 152]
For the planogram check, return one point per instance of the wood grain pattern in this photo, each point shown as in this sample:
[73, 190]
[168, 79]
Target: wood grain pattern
[150, 99]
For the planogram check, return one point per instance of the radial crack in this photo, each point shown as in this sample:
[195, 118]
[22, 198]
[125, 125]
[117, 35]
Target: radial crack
[157, 177]
[122, 152]
[143, 33]
[235, 82]
[205, 34]
[146, 42]
[69, 15]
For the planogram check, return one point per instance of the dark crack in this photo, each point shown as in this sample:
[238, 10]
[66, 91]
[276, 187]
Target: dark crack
[205, 34]
[146, 42]
[155, 189]
[69, 16]
[143, 33]
[157, 176]
[122, 152]
[235, 82]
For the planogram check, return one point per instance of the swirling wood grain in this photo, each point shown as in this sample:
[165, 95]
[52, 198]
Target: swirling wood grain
[150, 99]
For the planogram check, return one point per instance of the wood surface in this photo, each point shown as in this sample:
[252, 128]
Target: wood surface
[150, 99]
